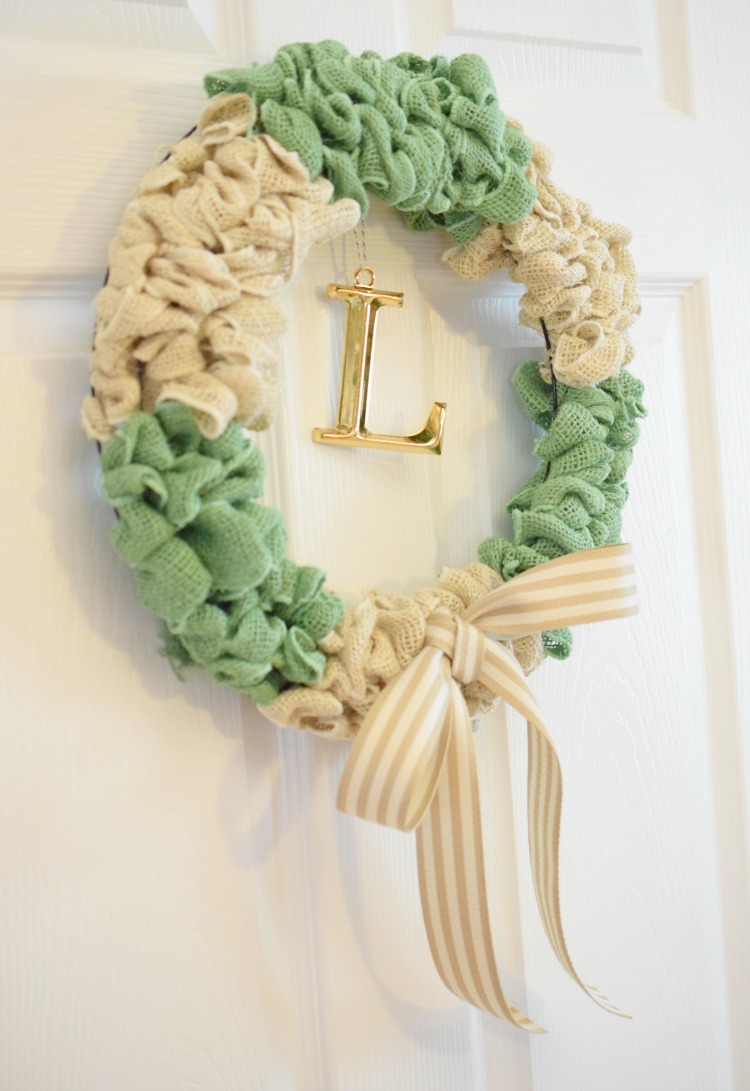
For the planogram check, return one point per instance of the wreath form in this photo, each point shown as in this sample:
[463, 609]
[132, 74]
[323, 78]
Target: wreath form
[183, 368]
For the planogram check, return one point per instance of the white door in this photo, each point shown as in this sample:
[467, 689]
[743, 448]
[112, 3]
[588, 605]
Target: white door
[182, 906]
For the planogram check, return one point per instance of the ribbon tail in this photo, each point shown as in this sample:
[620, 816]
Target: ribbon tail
[503, 676]
[452, 878]
[544, 811]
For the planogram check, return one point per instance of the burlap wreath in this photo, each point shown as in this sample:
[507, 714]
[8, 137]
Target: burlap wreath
[286, 155]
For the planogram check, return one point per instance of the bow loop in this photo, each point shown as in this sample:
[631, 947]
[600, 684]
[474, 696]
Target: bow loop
[397, 757]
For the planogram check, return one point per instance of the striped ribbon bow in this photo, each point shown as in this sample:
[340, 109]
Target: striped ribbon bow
[413, 762]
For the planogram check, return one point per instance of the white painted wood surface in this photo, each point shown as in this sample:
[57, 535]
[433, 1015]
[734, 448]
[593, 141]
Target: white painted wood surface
[181, 905]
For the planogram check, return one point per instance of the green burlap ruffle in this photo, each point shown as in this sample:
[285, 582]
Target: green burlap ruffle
[426, 136]
[589, 447]
[208, 559]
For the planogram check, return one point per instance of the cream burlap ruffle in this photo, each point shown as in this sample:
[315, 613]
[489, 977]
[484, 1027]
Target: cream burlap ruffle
[578, 272]
[374, 642]
[187, 313]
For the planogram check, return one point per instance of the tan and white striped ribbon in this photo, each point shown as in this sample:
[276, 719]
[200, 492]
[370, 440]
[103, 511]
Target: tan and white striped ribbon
[413, 764]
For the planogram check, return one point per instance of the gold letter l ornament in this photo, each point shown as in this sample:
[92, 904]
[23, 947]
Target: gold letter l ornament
[364, 302]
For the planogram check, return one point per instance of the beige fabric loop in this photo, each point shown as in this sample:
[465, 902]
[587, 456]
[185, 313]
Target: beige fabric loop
[579, 275]
[213, 231]
[375, 641]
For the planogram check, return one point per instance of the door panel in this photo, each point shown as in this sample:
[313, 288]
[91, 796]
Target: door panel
[183, 906]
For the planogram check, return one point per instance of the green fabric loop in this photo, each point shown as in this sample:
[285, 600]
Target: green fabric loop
[209, 560]
[588, 446]
[426, 136]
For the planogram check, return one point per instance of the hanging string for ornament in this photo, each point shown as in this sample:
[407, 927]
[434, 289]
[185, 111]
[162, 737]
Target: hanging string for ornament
[360, 243]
